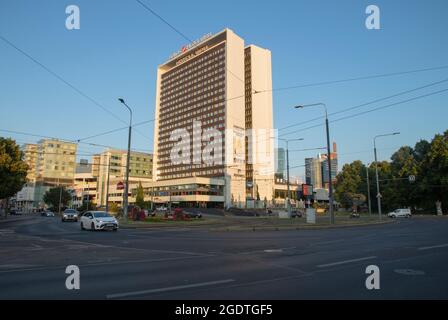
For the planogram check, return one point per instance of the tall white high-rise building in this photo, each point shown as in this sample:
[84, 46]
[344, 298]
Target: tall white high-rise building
[214, 117]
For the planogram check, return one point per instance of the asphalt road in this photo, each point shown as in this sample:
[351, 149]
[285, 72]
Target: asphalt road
[412, 256]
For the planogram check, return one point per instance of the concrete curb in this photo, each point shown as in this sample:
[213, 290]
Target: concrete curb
[300, 227]
[234, 228]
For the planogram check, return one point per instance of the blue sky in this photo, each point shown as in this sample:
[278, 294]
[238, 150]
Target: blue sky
[117, 50]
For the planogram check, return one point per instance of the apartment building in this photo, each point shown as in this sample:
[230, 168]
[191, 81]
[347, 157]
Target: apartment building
[111, 166]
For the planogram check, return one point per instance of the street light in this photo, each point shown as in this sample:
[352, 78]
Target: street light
[378, 194]
[368, 189]
[125, 195]
[108, 182]
[288, 204]
[330, 187]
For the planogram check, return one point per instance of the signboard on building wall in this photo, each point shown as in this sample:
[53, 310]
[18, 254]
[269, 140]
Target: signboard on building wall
[239, 154]
[307, 190]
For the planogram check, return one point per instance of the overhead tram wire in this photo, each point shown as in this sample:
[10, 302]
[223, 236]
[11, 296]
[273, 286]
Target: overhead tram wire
[367, 103]
[384, 75]
[145, 6]
[115, 130]
[69, 140]
[299, 123]
[60, 78]
[369, 111]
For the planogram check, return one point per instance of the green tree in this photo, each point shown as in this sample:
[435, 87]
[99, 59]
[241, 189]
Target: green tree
[113, 207]
[52, 196]
[13, 169]
[349, 182]
[140, 197]
[84, 207]
[433, 172]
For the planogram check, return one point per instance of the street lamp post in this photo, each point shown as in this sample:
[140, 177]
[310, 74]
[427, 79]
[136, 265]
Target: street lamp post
[368, 190]
[107, 186]
[60, 196]
[378, 194]
[288, 204]
[330, 186]
[126, 190]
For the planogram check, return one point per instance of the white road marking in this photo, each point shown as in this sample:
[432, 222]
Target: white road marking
[344, 262]
[273, 250]
[266, 251]
[327, 242]
[142, 292]
[46, 268]
[6, 231]
[16, 266]
[433, 247]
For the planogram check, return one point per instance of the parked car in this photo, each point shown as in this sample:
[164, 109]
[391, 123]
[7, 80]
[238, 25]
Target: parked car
[400, 213]
[69, 215]
[296, 214]
[193, 215]
[98, 220]
[15, 212]
[149, 213]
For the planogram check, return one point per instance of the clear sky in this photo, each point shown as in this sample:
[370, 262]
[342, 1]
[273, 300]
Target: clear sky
[117, 50]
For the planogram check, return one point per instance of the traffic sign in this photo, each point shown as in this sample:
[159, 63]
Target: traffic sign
[379, 195]
[411, 178]
[120, 185]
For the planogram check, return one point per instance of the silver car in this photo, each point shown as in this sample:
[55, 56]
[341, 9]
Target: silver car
[69, 215]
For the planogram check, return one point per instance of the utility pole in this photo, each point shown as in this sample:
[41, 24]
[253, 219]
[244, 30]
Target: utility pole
[107, 186]
[169, 203]
[330, 182]
[126, 191]
[368, 190]
[152, 197]
[88, 197]
[288, 205]
[60, 195]
[378, 194]
[330, 185]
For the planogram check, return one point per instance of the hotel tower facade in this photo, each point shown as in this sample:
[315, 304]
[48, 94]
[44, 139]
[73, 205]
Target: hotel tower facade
[214, 117]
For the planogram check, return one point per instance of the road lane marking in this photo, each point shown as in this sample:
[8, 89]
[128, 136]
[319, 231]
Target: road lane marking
[47, 268]
[327, 242]
[142, 292]
[433, 247]
[344, 262]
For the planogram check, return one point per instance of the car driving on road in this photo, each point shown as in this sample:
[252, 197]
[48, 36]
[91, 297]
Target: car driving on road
[400, 213]
[98, 220]
[47, 214]
[69, 215]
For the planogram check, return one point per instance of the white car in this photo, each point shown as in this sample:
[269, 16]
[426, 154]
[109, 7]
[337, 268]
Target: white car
[400, 213]
[98, 220]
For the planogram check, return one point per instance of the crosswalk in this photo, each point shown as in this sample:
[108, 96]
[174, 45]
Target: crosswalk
[4, 232]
